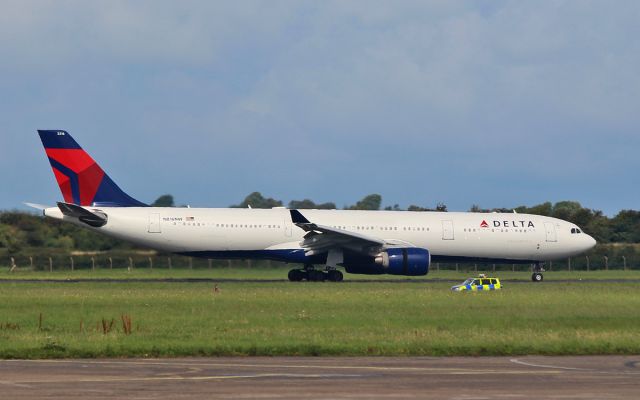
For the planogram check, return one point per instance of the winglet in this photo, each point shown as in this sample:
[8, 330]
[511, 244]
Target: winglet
[298, 218]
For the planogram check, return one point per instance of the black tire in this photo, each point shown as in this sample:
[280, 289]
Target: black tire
[315, 276]
[296, 275]
[536, 277]
[334, 276]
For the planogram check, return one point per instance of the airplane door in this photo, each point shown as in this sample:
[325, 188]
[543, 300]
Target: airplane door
[447, 230]
[154, 223]
[551, 232]
[287, 226]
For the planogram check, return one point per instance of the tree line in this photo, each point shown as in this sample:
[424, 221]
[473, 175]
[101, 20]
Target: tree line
[20, 231]
[622, 228]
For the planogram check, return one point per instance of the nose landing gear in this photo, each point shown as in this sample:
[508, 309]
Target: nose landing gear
[538, 269]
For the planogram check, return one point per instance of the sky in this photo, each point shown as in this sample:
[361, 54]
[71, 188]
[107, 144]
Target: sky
[494, 103]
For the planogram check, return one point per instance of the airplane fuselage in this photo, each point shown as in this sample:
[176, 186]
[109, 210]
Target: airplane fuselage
[270, 234]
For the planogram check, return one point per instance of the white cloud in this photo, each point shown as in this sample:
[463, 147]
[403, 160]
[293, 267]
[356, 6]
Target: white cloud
[399, 87]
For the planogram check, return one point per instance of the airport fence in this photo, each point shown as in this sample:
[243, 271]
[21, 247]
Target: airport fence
[71, 262]
[580, 263]
[618, 256]
[57, 262]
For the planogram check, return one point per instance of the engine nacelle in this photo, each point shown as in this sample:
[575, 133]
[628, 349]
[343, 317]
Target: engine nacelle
[409, 261]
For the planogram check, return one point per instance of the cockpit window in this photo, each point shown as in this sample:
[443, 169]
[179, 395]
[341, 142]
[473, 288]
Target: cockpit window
[575, 230]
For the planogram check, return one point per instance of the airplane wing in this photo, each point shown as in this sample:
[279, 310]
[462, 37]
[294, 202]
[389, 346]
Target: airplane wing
[321, 238]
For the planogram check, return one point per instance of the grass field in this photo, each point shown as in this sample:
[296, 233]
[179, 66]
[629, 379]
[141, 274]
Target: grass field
[281, 274]
[281, 318]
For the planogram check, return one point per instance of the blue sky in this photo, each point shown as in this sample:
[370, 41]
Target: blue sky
[495, 103]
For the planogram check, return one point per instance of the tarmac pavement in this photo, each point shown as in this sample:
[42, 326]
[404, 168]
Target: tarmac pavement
[460, 378]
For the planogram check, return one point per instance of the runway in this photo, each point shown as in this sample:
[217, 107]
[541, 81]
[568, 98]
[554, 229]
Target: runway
[460, 378]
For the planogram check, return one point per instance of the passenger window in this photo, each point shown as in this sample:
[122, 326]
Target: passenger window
[476, 282]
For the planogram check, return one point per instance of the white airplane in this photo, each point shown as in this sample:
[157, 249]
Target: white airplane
[361, 242]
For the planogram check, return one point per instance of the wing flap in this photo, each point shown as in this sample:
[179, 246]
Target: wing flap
[322, 238]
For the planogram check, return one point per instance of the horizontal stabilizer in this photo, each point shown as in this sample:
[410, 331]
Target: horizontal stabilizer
[90, 218]
[36, 206]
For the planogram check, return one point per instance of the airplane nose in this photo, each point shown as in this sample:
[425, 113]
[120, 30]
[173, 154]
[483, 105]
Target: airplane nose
[591, 242]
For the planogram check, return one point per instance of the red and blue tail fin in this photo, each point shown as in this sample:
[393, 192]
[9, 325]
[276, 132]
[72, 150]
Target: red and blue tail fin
[81, 180]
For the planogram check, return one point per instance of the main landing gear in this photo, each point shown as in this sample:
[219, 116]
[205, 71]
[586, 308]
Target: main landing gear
[538, 269]
[314, 275]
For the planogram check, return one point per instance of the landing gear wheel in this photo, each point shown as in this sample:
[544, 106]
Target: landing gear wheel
[536, 277]
[315, 276]
[296, 275]
[334, 276]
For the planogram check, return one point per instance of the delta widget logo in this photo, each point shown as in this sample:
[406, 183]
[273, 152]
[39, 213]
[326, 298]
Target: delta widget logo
[508, 224]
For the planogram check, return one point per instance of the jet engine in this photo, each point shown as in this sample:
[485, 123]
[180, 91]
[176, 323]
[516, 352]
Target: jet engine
[409, 261]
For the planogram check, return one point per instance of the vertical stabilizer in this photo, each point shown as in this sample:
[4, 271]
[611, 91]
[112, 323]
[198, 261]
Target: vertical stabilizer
[81, 180]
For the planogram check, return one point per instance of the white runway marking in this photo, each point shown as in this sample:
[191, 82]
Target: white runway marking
[516, 361]
[424, 370]
[595, 371]
[21, 385]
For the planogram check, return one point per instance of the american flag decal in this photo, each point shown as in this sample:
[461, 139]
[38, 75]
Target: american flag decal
[190, 219]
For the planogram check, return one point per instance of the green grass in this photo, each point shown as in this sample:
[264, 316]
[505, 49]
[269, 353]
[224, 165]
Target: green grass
[282, 318]
[281, 274]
